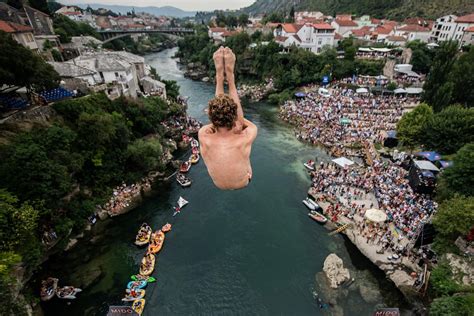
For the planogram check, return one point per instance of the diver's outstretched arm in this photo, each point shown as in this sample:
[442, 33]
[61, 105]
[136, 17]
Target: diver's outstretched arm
[219, 64]
[229, 59]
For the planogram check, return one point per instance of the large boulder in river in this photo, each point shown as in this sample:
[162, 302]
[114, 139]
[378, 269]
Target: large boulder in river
[335, 271]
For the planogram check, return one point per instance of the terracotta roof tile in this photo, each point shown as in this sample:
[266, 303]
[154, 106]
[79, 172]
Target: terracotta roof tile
[11, 27]
[323, 26]
[346, 23]
[465, 18]
[414, 28]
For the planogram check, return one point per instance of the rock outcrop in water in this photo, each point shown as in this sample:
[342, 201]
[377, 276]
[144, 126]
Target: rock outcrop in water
[335, 271]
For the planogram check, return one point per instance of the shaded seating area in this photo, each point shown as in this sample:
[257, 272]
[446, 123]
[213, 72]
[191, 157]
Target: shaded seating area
[12, 102]
[57, 94]
[422, 176]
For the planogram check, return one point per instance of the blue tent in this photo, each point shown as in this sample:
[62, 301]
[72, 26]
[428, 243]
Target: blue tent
[430, 155]
[428, 174]
[56, 94]
[300, 94]
[13, 102]
[445, 164]
[392, 134]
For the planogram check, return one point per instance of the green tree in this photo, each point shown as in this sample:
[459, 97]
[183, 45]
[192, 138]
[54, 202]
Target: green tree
[461, 305]
[454, 218]
[243, 19]
[21, 67]
[172, 89]
[437, 88]
[410, 127]
[449, 130]
[145, 155]
[459, 178]
[292, 15]
[463, 80]
[41, 5]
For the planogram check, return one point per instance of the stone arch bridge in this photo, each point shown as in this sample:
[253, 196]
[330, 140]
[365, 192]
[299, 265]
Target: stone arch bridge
[110, 35]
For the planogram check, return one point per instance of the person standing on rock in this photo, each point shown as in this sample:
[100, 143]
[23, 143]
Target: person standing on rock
[226, 143]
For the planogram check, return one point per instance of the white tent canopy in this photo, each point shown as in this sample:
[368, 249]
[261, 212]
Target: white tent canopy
[414, 90]
[362, 90]
[425, 165]
[343, 162]
[400, 90]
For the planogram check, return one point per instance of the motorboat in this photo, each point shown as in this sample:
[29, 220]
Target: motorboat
[309, 165]
[48, 288]
[185, 166]
[194, 159]
[195, 150]
[320, 218]
[181, 203]
[311, 204]
[183, 180]
[194, 143]
[67, 292]
[166, 228]
[143, 236]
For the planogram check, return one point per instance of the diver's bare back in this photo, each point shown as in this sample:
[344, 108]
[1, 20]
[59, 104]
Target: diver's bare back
[227, 158]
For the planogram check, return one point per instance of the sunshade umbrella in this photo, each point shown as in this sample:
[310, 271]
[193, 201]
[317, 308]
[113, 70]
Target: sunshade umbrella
[376, 215]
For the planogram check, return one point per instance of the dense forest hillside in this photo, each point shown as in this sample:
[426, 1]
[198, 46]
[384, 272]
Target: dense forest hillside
[395, 9]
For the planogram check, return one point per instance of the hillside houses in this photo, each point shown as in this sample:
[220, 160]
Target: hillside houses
[310, 36]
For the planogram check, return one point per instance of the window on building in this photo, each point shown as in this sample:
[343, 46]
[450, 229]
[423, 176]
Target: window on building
[116, 74]
[319, 42]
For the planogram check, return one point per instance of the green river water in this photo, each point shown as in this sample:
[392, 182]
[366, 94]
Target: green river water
[248, 252]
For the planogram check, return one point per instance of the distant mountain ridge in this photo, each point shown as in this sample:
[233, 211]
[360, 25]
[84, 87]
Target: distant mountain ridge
[165, 11]
[395, 9]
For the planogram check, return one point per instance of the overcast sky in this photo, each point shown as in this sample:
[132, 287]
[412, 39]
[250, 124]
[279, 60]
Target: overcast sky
[189, 5]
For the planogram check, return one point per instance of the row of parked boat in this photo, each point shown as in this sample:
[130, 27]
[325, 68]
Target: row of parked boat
[49, 288]
[186, 165]
[135, 291]
[315, 211]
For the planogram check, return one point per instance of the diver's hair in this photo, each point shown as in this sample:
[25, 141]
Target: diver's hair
[222, 112]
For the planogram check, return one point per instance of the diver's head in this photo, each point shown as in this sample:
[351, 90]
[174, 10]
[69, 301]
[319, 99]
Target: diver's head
[222, 112]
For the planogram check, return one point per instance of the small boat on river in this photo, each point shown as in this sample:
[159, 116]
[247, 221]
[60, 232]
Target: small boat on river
[48, 288]
[194, 159]
[67, 292]
[194, 143]
[146, 278]
[184, 167]
[133, 295]
[166, 228]
[143, 236]
[320, 218]
[156, 242]
[181, 203]
[138, 306]
[309, 165]
[311, 204]
[148, 264]
[136, 285]
[183, 180]
[195, 150]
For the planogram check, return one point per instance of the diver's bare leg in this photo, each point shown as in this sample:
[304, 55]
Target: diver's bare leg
[219, 64]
